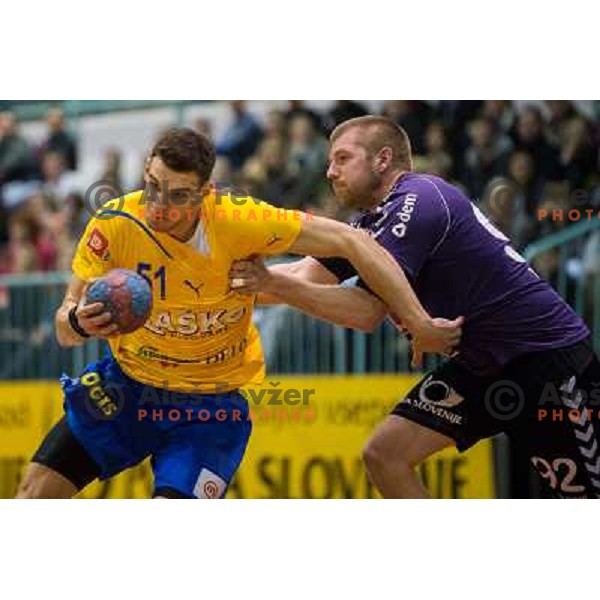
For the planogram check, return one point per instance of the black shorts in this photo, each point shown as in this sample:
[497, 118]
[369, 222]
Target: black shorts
[548, 403]
[62, 452]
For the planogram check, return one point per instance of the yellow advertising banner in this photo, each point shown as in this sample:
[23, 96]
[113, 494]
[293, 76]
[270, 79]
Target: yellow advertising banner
[306, 443]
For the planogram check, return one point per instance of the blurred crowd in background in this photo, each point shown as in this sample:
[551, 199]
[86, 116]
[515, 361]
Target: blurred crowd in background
[512, 158]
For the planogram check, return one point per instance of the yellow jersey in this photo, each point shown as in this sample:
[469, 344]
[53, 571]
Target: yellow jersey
[199, 336]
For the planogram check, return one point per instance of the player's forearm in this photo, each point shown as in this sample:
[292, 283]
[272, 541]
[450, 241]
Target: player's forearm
[65, 334]
[345, 306]
[323, 237]
[385, 277]
[263, 299]
[272, 297]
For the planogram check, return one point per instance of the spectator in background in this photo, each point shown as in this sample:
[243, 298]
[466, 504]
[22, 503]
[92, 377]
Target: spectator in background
[438, 158]
[59, 140]
[17, 161]
[111, 170]
[223, 173]
[242, 136]
[307, 161]
[528, 135]
[555, 196]
[56, 182]
[284, 168]
[276, 124]
[30, 245]
[561, 113]
[77, 217]
[484, 158]
[521, 172]
[412, 116]
[298, 108]
[250, 179]
[500, 113]
[58, 229]
[578, 153]
[504, 206]
[19, 254]
[3, 221]
[455, 115]
[51, 222]
[342, 111]
[204, 126]
[267, 175]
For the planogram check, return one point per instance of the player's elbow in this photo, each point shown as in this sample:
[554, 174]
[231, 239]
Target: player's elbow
[366, 314]
[63, 341]
[369, 326]
[368, 321]
[363, 326]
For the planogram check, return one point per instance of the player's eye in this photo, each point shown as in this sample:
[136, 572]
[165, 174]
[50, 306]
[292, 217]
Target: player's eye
[179, 195]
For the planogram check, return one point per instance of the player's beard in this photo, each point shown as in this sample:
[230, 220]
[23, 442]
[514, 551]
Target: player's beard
[360, 195]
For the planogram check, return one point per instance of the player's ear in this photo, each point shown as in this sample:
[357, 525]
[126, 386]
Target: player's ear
[147, 168]
[383, 159]
[206, 189]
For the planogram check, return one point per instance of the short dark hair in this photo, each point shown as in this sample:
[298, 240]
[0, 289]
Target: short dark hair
[380, 132]
[185, 150]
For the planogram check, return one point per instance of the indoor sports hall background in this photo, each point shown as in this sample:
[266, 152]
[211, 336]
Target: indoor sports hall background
[532, 166]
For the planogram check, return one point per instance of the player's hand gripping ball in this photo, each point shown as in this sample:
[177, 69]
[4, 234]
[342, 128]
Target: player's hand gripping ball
[126, 295]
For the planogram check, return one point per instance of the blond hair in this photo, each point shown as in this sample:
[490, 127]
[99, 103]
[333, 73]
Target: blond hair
[380, 132]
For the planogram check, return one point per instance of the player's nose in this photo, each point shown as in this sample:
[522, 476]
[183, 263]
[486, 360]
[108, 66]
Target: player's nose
[157, 199]
[332, 172]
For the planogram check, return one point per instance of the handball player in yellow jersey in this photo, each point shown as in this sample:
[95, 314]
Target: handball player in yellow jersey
[199, 347]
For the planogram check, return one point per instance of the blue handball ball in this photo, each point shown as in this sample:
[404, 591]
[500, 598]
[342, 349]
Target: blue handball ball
[126, 295]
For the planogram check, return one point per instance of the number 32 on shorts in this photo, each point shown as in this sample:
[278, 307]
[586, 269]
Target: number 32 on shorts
[559, 474]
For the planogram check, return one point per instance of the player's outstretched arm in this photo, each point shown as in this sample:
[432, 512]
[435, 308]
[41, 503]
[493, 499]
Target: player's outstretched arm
[295, 284]
[73, 314]
[383, 275]
[266, 288]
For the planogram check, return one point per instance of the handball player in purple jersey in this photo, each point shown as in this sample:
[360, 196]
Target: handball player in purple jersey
[523, 350]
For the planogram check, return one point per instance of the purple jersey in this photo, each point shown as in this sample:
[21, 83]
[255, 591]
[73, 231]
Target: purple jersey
[460, 264]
